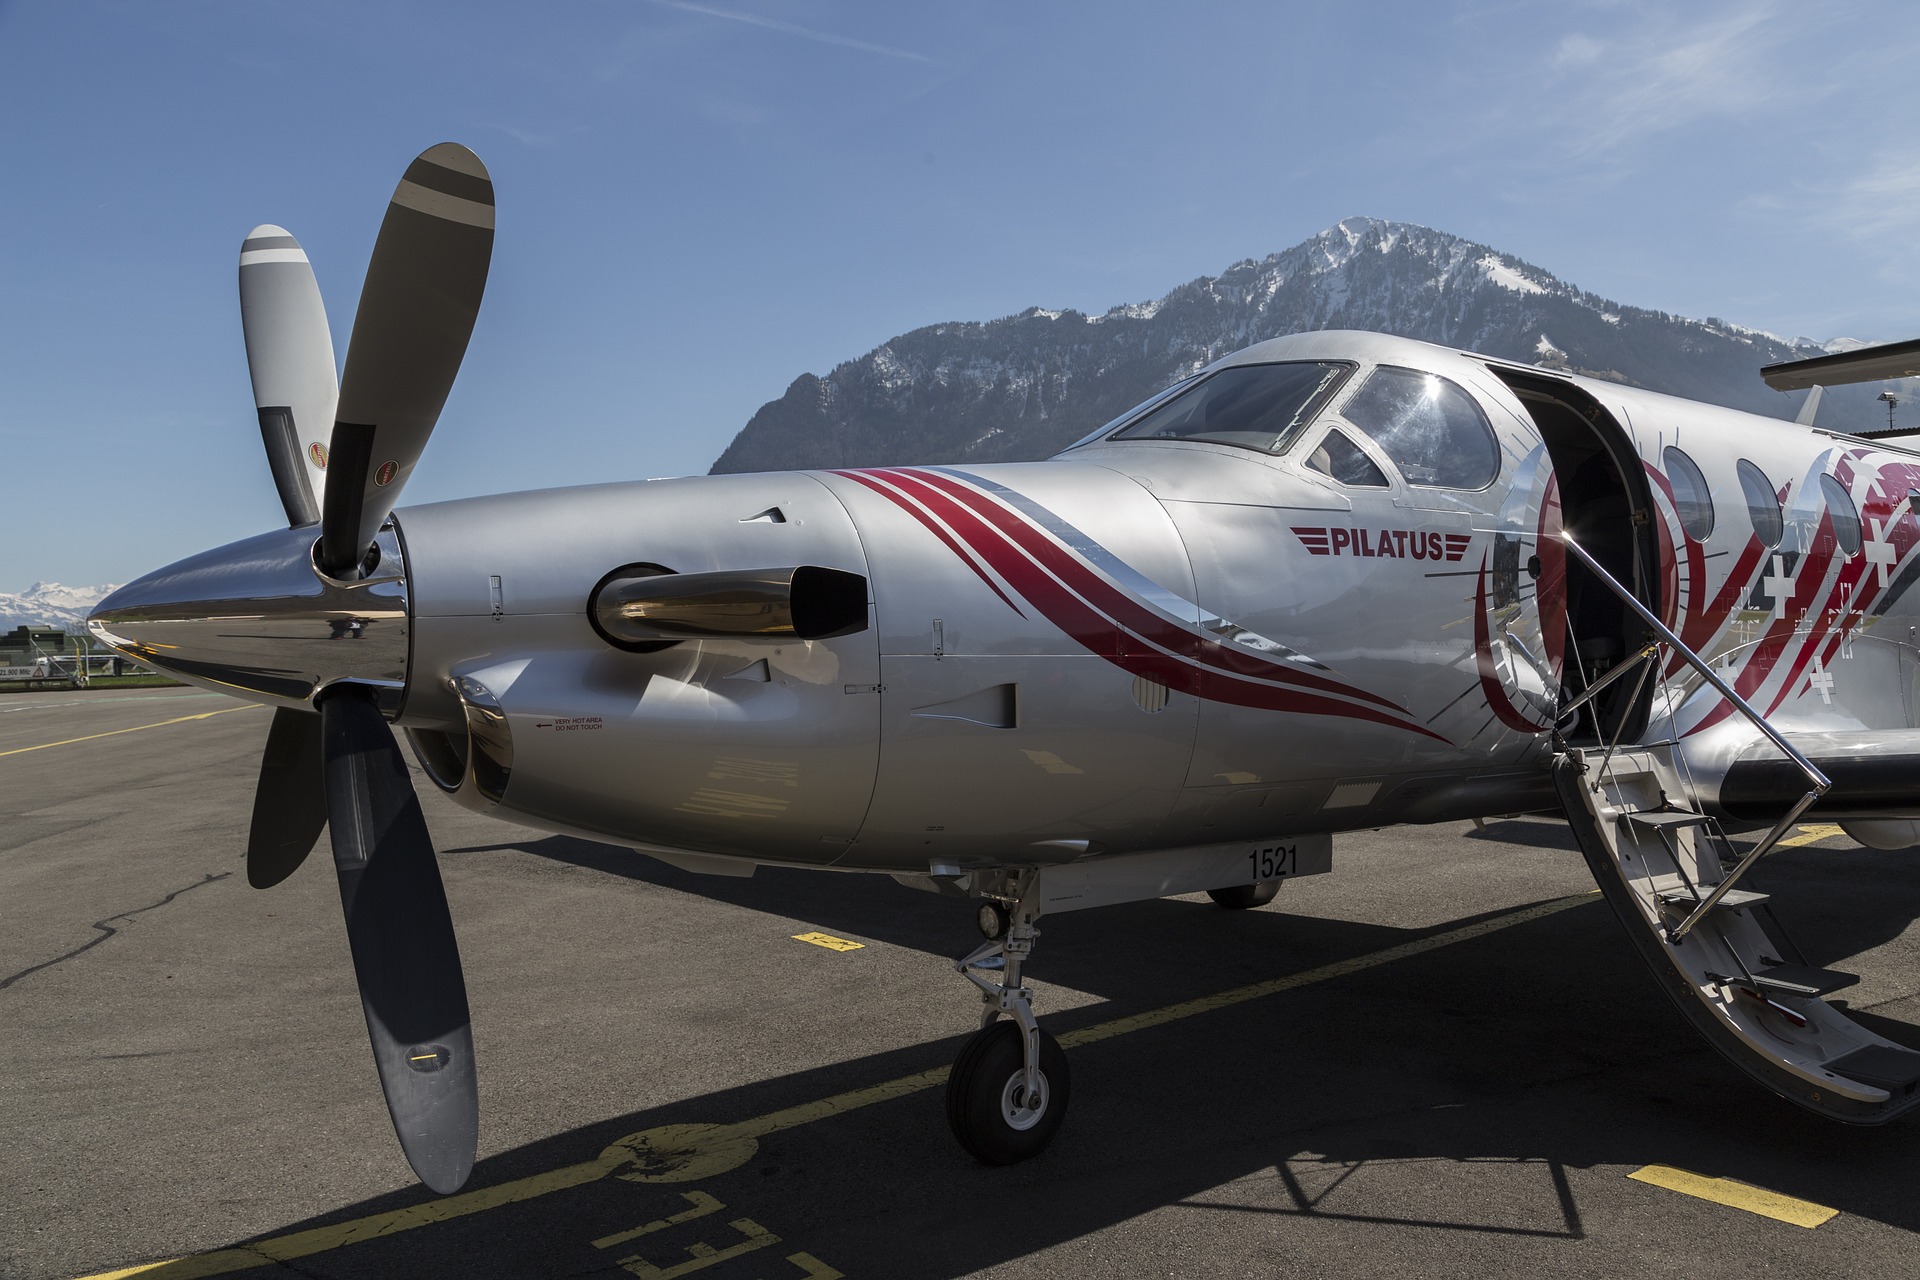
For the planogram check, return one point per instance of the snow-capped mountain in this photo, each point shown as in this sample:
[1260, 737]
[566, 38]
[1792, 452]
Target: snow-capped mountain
[1028, 385]
[48, 604]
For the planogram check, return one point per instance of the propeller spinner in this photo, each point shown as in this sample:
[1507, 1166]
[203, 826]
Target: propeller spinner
[302, 593]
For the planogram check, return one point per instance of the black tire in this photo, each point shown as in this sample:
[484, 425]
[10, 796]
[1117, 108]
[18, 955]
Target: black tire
[978, 1089]
[1245, 897]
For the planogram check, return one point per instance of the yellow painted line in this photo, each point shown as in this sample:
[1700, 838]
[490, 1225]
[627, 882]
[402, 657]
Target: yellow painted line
[1736, 1195]
[1812, 833]
[690, 1152]
[828, 941]
[302, 1244]
[113, 733]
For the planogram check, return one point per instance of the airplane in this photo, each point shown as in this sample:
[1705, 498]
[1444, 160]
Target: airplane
[1331, 582]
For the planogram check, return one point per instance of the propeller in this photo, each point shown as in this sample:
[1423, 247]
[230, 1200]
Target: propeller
[416, 314]
[290, 355]
[404, 952]
[342, 768]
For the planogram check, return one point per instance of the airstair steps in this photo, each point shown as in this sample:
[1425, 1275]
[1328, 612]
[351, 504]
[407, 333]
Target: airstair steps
[1801, 980]
[1895, 1070]
[1666, 819]
[1681, 902]
[1660, 861]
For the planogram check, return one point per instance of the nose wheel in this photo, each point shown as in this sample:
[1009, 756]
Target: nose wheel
[1007, 1092]
[994, 1112]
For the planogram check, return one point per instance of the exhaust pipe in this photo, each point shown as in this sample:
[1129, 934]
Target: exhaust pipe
[644, 606]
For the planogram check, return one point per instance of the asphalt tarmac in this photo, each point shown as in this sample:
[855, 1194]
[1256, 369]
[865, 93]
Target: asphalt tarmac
[1441, 1060]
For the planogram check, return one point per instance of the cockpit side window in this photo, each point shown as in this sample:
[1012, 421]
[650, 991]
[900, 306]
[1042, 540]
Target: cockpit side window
[1345, 461]
[1434, 431]
[1254, 406]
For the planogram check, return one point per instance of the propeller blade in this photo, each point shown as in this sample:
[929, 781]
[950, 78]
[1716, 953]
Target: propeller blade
[417, 309]
[290, 801]
[404, 952]
[290, 355]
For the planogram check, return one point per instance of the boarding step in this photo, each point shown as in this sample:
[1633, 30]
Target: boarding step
[1666, 819]
[1680, 903]
[1782, 979]
[1801, 980]
[1895, 1070]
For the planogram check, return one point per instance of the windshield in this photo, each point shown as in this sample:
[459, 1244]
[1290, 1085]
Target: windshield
[1152, 400]
[1255, 406]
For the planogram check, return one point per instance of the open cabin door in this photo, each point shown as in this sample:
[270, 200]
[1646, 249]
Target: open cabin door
[1605, 503]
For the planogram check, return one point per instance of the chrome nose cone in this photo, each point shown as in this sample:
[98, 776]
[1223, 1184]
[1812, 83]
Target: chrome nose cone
[257, 620]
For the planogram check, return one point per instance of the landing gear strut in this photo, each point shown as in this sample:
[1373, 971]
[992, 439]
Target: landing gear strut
[1008, 1090]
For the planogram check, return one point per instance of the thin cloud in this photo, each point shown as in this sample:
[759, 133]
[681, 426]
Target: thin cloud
[1879, 208]
[794, 29]
[1734, 63]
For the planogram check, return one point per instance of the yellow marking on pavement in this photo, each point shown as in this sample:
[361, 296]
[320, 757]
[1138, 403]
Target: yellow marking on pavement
[690, 1152]
[703, 1204]
[828, 941]
[303, 1244]
[112, 733]
[1812, 833]
[142, 1269]
[1737, 1195]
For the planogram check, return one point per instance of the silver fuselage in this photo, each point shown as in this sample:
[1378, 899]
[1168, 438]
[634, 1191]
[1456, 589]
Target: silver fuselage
[1137, 645]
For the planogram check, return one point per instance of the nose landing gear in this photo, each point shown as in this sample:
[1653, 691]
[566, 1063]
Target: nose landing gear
[1008, 1090]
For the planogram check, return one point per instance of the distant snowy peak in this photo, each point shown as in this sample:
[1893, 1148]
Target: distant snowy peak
[49, 604]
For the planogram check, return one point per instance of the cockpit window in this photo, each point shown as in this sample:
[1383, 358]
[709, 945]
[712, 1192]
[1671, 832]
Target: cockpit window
[1433, 431]
[1345, 461]
[1255, 406]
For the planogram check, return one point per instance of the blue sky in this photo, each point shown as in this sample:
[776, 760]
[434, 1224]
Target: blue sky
[700, 201]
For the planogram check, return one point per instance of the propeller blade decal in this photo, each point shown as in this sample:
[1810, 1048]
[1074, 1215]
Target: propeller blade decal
[290, 800]
[404, 952]
[417, 308]
[290, 355]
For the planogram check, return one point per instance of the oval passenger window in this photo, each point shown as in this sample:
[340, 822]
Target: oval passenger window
[1434, 432]
[1845, 516]
[1691, 497]
[1763, 503]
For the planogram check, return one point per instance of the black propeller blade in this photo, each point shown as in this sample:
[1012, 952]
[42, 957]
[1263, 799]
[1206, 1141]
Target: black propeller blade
[404, 952]
[417, 308]
[290, 802]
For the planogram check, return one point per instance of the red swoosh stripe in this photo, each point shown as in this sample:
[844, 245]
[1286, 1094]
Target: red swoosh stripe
[1497, 700]
[1127, 612]
[1102, 635]
[937, 529]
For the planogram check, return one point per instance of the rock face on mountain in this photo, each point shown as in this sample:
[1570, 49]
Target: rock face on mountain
[1027, 385]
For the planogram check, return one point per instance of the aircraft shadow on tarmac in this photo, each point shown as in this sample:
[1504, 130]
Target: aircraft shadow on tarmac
[1514, 1056]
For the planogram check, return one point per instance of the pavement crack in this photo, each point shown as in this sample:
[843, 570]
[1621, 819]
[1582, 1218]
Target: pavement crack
[108, 928]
